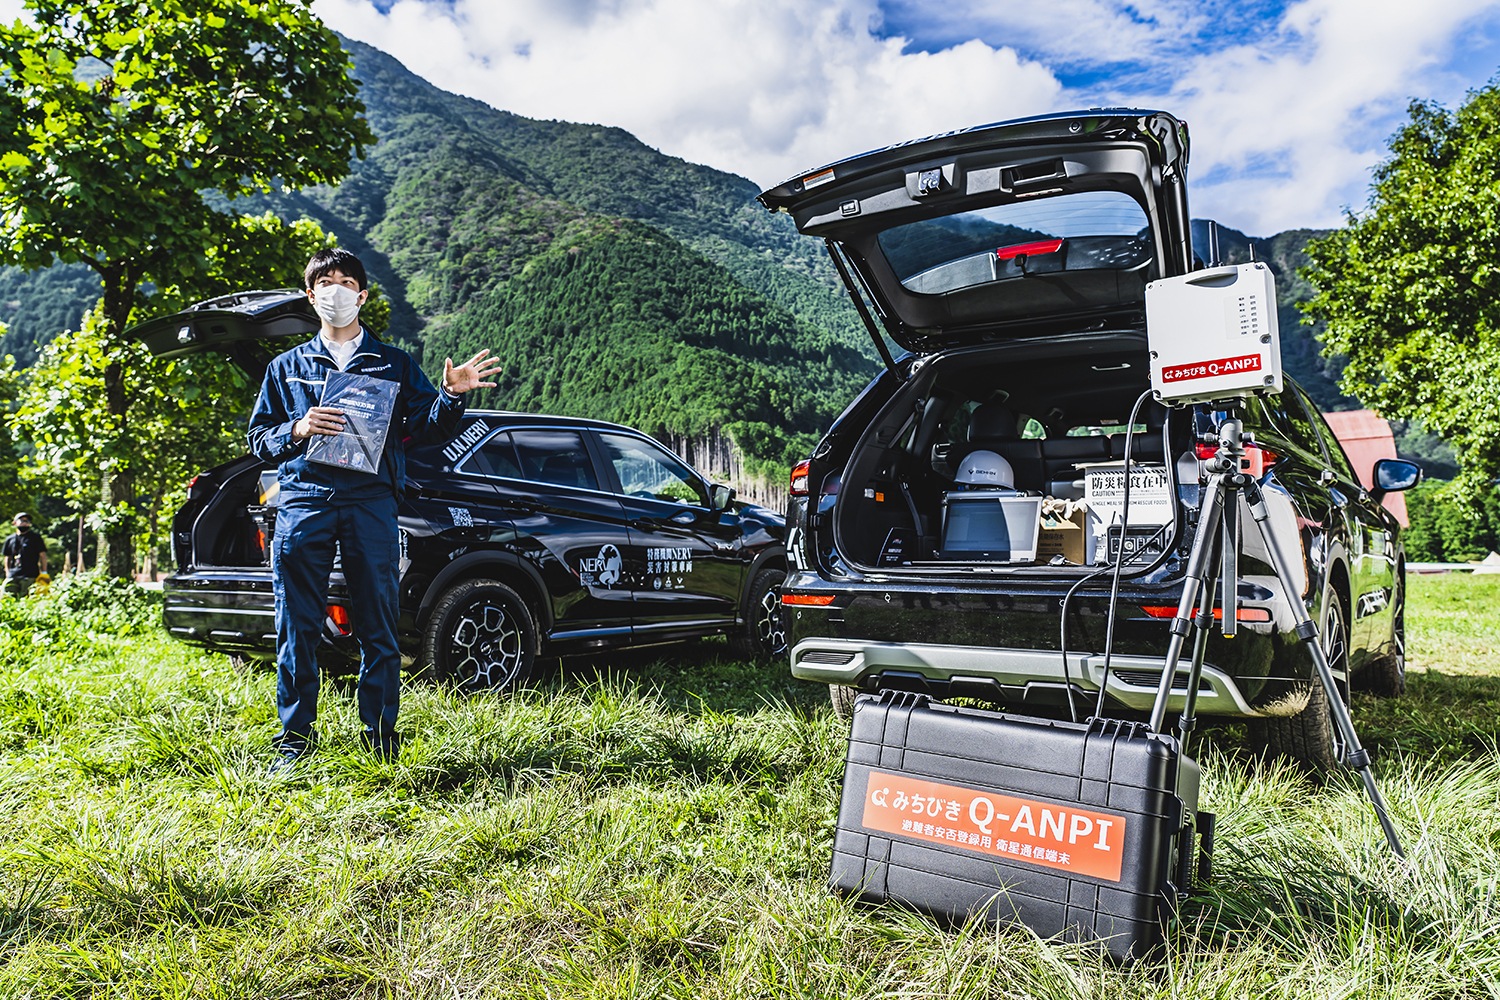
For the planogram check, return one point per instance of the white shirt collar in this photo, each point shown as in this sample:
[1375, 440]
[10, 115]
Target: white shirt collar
[343, 353]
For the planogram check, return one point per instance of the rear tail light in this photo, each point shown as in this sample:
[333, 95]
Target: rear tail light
[339, 615]
[1257, 461]
[817, 599]
[799, 479]
[1244, 615]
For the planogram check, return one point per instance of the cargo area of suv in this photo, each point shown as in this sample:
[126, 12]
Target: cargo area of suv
[1054, 412]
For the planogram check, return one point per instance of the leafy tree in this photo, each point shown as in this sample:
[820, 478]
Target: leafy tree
[1410, 289]
[116, 116]
[1443, 529]
[14, 496]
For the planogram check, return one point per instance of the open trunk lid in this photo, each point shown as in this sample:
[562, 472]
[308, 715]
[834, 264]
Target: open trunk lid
[248, 327]
[1048, 224]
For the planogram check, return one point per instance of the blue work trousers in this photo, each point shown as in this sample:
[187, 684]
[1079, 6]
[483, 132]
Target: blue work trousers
[301, 559]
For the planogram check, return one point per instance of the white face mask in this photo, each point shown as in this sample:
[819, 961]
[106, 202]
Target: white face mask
[336, 305]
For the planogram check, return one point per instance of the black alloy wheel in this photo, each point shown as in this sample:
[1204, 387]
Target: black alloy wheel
[764, 633]
[481, 635]
[1310, 739]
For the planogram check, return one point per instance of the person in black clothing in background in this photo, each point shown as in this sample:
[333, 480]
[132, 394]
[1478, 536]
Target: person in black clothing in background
[25, 557]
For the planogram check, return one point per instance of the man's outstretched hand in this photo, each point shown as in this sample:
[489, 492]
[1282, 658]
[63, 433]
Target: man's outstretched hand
[471, 374]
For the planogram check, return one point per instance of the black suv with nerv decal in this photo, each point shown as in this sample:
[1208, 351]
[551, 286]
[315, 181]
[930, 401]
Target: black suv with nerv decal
[527, 534]
[937, 530]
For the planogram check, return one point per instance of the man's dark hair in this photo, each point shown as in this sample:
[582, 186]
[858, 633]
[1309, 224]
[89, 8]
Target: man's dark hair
[334, 259]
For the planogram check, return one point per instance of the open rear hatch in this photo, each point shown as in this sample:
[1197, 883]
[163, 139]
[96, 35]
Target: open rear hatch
[1017, 255]
[1047, 224]
[250, 328]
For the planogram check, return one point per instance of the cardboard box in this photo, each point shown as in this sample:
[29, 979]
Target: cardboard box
[1068, 537]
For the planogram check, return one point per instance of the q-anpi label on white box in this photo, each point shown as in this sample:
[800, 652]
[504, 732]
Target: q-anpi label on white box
[1150, 496]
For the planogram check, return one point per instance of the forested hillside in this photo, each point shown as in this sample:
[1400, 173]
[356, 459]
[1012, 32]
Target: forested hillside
[686, 352]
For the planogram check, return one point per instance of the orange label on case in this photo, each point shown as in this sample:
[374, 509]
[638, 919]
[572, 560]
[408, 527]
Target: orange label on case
[1061, 837]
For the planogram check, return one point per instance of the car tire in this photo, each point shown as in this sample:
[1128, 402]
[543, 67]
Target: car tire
[1309, 739]
[1386, 677]
[842, 696]
[764, 633]
[481, 635]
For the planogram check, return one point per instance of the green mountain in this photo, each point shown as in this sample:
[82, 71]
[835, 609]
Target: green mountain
[627, 323]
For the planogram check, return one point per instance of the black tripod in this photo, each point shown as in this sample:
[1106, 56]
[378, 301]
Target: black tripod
[1218, 518]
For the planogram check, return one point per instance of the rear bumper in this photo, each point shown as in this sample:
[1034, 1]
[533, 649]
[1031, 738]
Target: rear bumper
[1013, 676]
[233, 611]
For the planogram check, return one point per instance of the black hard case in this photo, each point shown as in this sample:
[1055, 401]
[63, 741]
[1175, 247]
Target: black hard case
[1108, 766]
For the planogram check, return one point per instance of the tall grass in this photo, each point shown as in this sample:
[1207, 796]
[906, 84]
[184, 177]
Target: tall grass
[654, 825]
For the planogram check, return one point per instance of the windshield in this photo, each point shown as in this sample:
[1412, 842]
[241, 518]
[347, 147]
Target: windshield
[1089, 230]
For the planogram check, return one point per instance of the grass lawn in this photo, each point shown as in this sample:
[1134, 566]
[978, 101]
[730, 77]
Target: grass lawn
[660, 826]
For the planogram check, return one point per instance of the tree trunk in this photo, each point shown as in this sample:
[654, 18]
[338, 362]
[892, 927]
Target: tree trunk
[115, 543]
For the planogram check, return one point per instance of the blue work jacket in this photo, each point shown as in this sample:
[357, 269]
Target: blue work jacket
[294, 384]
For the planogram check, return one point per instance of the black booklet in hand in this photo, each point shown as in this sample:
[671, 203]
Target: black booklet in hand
[367, 404]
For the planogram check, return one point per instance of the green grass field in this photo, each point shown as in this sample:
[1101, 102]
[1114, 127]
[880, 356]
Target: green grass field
[660, 826]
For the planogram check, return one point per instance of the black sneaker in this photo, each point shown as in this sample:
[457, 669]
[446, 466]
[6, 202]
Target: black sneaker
[292, 751]
[386, 748]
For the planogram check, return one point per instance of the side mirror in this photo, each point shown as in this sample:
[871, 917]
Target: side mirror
[720, 496]
[1392, 475]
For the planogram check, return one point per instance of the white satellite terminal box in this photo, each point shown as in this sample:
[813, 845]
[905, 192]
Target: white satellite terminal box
[1213, 334]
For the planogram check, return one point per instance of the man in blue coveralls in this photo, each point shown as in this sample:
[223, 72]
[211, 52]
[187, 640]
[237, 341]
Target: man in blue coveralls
[323, 504]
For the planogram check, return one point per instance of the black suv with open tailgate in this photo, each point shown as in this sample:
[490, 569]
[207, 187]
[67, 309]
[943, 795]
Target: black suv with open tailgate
[526, 534]
[1010, 261]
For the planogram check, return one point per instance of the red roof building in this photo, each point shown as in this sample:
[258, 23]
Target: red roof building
[1367, 439]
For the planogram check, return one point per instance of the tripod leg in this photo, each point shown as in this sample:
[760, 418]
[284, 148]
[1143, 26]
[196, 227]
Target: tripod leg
[1230, 563]
[1354, 755]
[1210, 511]
[1205, 620]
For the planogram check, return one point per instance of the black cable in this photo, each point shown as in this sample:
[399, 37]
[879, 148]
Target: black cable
[1063, 639]
[1152, 567]
[1114, 589]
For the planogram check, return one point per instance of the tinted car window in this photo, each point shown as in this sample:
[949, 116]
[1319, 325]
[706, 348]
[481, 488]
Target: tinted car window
[496, 457]
[645, 470]
[1288, 421]
[1082, 231]
[1335, 451]
[555, 457]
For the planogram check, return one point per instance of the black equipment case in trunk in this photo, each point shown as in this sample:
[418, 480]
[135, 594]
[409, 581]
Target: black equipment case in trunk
[1080, 830]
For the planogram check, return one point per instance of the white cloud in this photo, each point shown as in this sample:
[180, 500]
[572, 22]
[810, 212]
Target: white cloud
[1287, 113]
[1285, 131]
[760, 88]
